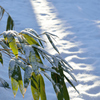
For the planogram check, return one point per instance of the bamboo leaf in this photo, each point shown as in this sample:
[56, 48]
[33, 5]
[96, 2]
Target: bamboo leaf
[13, 45]
[20, 82]
[16, 78]
[21, 87]
[46, 68]
[15, 86]
[34, 32]
[4, 83]
[63, 60]
[35, 86]
[11, 67]
[50, 40]
[71, 83]
[5, 45]
[42, 89]
[52, 81]
[40, 49]
[50, 34]
[21, 64]
[1, 12]
[65, 92]
[30, 40]
[1, 60]
[10, 23]
[27, 76]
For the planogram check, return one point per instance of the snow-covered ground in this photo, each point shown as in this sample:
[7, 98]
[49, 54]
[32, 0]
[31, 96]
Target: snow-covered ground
[77, 23]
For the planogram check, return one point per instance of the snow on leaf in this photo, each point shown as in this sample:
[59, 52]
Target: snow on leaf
[9, 35]
[41, 50]
[27, 76]
[31, 35]
[33, 61]
[46, 68]
[31, 39]
[50, 79]
[60, 58]
[20, 63]
[11, 67]
[34, 32]
[4, 45]
[4, 83]
[50, 40]
[70, 74]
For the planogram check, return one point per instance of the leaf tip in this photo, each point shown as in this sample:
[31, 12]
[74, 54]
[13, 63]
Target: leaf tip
[14, 95]
[24, 90]
[23, 95]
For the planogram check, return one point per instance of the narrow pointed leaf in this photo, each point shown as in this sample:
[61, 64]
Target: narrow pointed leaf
[50, 40]
[27, 76]
[21, 87]
[5, 45]
[20, 82]
[1, 60]
[2, 10]
[64, 61]
[10, 23]
[34, 32]
[65, 92]
[35, 88]
[11, 67]
[13, 45]
[33, 61]
[46, 68]
[30, 40]
[70, 74]
[53, 83]
[15, 86]
[4, 83]
[71, 83]
[42, 89]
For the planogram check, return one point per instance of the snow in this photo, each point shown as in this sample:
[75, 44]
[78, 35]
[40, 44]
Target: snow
[77, 23]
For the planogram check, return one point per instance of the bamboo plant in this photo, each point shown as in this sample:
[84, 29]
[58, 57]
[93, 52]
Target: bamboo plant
[26, 52]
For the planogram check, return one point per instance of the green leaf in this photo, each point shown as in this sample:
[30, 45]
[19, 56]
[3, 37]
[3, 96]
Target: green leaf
[59, 79]
[71, 83]
[65, 92]
[27, 76]
[35, 86]
[20, 82]
[10, 23]
[2, 10]
[21, 87]
[4, 83]
[16, 79]
[1, 60]
[52, 81]
[34, 32]
[30, 40]
[13, 45]
[50, 40]
[42, 89]
[15, 86]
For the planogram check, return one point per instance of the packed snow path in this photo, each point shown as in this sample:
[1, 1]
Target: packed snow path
[77, 23]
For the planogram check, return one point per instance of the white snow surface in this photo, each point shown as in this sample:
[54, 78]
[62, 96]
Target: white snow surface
[77, 23]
